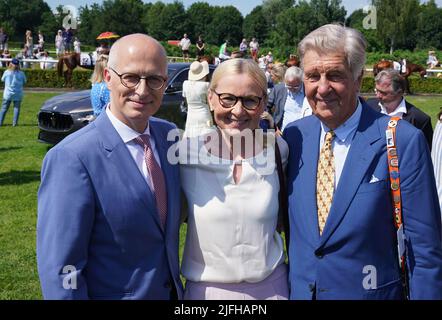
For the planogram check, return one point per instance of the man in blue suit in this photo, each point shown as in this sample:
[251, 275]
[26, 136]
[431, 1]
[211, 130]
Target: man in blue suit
[343, 242]
[108, 203]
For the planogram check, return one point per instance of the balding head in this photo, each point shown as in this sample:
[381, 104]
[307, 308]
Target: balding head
[139, 57]
[135, 45]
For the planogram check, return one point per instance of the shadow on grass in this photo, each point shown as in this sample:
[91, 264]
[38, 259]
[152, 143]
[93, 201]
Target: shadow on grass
[9, 149]
[15, 177]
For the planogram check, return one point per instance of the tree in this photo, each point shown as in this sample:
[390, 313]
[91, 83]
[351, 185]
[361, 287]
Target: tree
[328, 11]
[51, 22]
[226, 25]
[292, 26]
[355, 20]
[272, 8]
[200, 14]
[429, 26]
[167, 21]
[22, 15]
[92, 23]
[255, 25]
[123, 16]
[396, 22]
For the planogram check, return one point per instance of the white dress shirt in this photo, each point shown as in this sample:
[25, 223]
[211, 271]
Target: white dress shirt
[400, 110]
[436, 155]
[296, 107]
[342, 141]
[128, 135]
[231, 229]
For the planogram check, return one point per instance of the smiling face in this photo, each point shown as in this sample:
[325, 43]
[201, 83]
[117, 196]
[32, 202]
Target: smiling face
[141, 55]
[329, 87]
[237, 118]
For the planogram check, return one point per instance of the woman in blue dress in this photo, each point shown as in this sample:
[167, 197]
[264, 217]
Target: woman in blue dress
[99, 92]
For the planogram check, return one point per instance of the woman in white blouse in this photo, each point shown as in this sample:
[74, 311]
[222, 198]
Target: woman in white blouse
[230, 179]
[436, 154]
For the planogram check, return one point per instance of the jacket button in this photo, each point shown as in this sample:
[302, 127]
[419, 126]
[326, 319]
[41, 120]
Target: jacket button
[319, 254]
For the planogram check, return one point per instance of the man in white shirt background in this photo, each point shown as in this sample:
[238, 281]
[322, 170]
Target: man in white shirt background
[390, 88]
[287, 101]
[185, 45]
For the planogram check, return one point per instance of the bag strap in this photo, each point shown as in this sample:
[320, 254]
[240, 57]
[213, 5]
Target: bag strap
[395, 186]
[282, 195]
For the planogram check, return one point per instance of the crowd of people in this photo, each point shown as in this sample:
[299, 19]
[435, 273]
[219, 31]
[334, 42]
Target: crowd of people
[350, 182]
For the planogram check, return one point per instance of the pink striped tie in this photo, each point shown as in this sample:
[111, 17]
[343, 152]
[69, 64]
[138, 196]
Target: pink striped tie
[156, 176]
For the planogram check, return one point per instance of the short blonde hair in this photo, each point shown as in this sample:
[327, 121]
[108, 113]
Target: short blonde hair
[240, 66]
[100, 65]
[278, 71]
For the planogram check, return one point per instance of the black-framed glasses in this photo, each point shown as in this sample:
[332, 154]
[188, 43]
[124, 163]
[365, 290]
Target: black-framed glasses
[228, 100]
[384, 93]
[131, 80]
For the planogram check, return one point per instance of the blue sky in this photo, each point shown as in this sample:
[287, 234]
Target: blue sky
[243, 6]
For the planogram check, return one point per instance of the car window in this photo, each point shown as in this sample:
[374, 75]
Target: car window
[181, 77]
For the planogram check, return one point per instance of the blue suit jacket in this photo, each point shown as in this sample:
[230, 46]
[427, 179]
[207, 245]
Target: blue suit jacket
[276, 101]
[359, 238]
[97, 214]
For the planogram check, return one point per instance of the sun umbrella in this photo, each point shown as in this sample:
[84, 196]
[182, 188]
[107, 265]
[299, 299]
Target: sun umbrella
[173, 42]
[107, 35]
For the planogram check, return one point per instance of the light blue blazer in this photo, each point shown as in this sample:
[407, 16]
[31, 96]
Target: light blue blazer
[356, 256]
[96, 214]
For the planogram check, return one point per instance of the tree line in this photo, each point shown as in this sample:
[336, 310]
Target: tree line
[400, 24]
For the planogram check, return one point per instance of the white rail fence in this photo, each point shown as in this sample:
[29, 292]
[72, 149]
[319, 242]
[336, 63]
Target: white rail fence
[53, 62]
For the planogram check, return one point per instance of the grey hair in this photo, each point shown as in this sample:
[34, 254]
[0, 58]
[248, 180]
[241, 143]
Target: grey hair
[337, 38]
[293, 73]
[397, 81]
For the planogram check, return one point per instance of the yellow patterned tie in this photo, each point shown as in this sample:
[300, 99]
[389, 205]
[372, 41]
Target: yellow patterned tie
[325, 180]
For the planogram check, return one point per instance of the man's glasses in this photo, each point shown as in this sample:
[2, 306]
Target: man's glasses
[293, 87]
[228, 100]
[131, 80]
[383, 93]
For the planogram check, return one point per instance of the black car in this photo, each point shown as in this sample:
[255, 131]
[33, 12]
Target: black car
[66, 113]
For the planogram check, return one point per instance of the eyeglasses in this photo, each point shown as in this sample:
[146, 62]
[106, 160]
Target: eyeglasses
[228, 100]
[131, 80]
[293, 87]
[383, 93]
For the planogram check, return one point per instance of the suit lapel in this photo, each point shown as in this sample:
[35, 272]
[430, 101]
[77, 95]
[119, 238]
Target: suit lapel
[120, 157]
[309, 159]
[359, 158]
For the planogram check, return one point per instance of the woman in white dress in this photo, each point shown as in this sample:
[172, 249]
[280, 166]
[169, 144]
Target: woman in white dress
[230, 178]
[199, 119]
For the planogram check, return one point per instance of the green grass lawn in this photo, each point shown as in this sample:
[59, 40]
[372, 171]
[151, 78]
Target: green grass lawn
[20, 162]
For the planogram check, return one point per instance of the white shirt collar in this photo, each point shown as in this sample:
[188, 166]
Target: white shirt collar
[349, 127]
[126, 133]
[400, 110]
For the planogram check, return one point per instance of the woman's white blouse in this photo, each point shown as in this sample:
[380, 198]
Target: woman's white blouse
[436, 154]
[231, 228]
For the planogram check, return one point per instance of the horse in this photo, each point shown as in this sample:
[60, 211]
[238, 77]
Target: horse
[409, 69]
[69, 61]
[293, 61]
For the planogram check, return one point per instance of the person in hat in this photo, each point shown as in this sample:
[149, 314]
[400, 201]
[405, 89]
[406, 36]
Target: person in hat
[14, 80]
[432, 60]
[199, 118]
